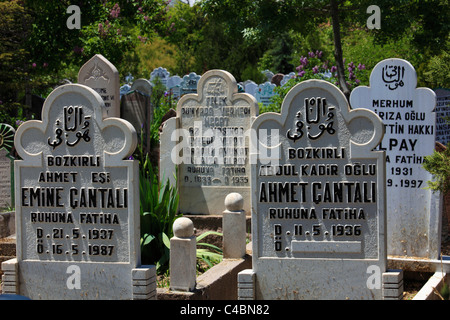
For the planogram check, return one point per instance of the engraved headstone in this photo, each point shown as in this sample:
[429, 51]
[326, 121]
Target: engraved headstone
[189, 83]
[6, 166]
[318, 213]
[160, 73]
[137, 109]
[77, 203]
[102, 76]
[413, 212]
[212, 152]
[265, 92]
[442, 115]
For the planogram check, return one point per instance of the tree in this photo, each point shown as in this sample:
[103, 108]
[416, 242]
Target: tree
[266, 19]
[108, 27]
[211, 37]
[14, 28]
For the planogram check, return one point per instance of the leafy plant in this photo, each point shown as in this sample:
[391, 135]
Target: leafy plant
[438, 164]
[445, 292]
[210, 257]
[159, 205]
[313, 67]
[162, 102]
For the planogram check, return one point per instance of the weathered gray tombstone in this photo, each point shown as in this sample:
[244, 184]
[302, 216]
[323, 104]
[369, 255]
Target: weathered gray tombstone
[137, 109]
[250, 87]
[413, 212]
[167, 165]
[143, 86]
[160, 73]
[442, 113]
[189, 83]
[77, 204]
[265, 92]
[318, 212]
[6, 167]
[212, 150]
[102, 76]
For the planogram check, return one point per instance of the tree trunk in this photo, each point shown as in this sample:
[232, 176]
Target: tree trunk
[338, 48]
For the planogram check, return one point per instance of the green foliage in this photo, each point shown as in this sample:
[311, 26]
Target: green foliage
[210, 255]
[210, 35]
[279, 57]
[314, 67]
[162, 102]
[252, 72]
[438, 164]
[438, 70]
[14, 67]
[158, 211]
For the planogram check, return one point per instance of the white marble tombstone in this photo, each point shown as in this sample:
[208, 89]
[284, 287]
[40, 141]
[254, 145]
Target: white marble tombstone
[102, 76]
[413, 212]
[212, 144]
[318, 211]
[77, 204]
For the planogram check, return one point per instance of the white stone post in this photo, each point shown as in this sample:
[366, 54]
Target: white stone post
[183, 258]
[233, 226]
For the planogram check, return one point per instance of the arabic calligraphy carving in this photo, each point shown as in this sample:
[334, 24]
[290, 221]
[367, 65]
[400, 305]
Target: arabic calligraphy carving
[317, 113]
[299, 131]
[392, 76]
[74, 121]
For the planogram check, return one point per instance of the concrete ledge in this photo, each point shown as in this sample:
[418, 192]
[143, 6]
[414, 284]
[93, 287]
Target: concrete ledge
[433, 285]
[419, 264]
[218, 283]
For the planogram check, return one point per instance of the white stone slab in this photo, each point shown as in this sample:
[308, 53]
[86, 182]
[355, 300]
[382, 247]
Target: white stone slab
[77, 208]
[212, 148]
[413, 212]
[318, 210]
[102, 76]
